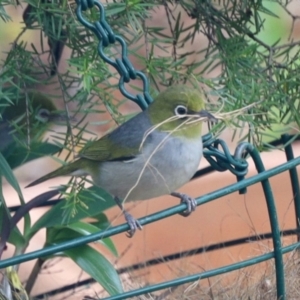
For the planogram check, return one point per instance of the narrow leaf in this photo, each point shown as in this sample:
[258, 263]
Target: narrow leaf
[95, 199]
[96, 265]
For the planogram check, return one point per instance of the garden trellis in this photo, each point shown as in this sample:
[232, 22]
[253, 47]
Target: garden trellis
[216, 152]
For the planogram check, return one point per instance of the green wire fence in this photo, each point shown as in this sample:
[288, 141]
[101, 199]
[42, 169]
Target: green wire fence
[262, 176]
[220, 159]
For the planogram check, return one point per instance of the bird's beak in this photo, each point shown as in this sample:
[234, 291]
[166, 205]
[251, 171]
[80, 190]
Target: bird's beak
[60, 117]
[205, 114]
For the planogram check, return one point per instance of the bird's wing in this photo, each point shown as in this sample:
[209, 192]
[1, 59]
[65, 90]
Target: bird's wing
[105, 149]
[124, 143]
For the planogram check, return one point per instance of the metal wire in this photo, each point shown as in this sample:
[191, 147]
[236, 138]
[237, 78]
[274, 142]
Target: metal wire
[216, 152]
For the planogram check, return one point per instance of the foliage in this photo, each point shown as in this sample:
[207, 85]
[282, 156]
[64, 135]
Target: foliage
[237, 62]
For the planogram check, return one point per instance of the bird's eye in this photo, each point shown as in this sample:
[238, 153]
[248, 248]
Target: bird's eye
[43, 115]
[181, 111]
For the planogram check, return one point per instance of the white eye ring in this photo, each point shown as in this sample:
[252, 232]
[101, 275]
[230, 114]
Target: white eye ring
[43, 115]
[181, 111]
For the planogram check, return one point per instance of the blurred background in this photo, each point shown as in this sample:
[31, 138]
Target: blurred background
[230, 217]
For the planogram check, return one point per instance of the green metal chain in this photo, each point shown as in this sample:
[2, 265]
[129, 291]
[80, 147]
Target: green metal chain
[106, 36]
[220, 161]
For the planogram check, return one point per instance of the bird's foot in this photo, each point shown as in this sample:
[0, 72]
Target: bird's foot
[133, 223]
[189, 201]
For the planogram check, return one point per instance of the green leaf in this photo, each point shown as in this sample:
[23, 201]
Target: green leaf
[75, 230]
[95, 199]
[96, 265]
[15, 237]
[89, 228]
[18, 155]
[103, 223]
[90, 260]
[6, 171]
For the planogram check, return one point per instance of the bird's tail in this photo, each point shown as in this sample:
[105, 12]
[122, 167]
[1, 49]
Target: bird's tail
[75, 168]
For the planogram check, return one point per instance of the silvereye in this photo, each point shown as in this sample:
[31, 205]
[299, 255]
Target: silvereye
[13, 117]
[152, 154]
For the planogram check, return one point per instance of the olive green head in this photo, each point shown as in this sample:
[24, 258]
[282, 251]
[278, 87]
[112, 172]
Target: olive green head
[178, 110]
[26, 113]
[38, 106]
[42, 107]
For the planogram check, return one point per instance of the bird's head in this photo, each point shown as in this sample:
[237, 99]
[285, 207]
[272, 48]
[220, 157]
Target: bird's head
[31, 113]
[179, 110]
[43, 108]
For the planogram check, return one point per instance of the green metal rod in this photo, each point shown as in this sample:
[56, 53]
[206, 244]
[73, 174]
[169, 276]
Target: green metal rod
[203, 275]
[151, 218]
[294, 179]
[279, 267]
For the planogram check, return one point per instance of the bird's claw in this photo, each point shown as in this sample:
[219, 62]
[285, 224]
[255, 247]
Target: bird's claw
[189, 201]
[133, 223]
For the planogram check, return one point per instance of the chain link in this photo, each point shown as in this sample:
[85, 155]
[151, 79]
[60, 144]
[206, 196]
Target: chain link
[219, 160]
[106, 36]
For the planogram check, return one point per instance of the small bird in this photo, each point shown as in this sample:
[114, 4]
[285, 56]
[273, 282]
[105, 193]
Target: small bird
[14, 121]
[153, 154]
